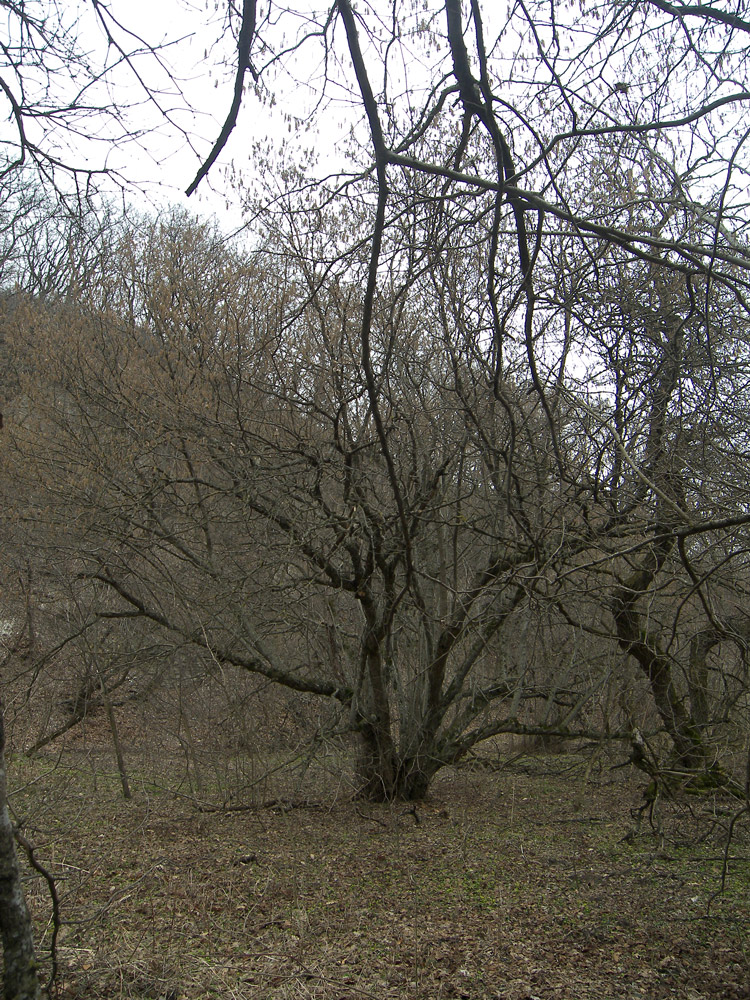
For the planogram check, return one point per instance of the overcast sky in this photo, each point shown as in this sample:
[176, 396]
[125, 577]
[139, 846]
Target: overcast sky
[164, 162]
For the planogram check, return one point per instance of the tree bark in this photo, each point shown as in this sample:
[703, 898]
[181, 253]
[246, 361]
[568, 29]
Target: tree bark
[376, 768]
[415, 775]
[20, 980]
[700, 646]
[643, 645]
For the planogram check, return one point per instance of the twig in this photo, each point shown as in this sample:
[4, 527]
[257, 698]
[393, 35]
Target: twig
[38, 867]
[373, 819]
[730, 832]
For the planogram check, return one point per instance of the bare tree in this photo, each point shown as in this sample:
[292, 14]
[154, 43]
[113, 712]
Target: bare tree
[662, 360]
[220, 451]
[455, 385]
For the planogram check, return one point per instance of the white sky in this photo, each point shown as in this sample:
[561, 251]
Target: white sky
[161, 162]
[174, 103]
[165, 163]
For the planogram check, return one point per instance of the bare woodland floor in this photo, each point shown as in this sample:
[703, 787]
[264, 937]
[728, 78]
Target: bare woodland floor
[513, 884]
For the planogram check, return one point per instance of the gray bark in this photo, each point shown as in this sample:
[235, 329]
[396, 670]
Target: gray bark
[20, 979]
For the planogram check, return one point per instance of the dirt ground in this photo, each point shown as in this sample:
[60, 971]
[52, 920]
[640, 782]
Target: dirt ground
[523, 882]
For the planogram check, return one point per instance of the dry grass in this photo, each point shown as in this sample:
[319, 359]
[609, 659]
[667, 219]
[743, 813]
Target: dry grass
[516, 885]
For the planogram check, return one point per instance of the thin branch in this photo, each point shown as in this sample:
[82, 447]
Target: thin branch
[244, 45]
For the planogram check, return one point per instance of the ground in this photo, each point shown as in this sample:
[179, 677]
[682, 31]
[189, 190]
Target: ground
[524, 880]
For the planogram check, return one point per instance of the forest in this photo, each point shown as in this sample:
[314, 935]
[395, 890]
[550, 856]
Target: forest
[415, 504]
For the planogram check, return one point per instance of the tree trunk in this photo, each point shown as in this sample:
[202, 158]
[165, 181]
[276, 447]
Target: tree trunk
[643, 645]
[383, 777]
[700, 646]
[376, 766]
[117, 745]
[377, 759]
[20, 980]
[415, 775]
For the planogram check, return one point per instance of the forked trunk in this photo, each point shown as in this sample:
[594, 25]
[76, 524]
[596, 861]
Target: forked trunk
[384, 777]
